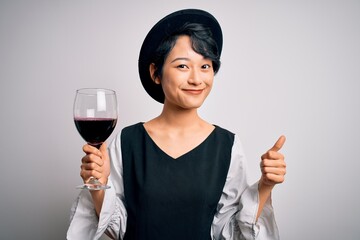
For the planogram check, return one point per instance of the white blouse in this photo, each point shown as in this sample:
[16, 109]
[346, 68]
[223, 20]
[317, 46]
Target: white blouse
[235, 218]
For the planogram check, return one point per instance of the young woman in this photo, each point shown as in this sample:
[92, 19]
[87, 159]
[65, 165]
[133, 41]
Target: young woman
[177, 176]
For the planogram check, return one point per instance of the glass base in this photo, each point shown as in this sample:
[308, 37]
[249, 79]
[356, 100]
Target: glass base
[93, 184]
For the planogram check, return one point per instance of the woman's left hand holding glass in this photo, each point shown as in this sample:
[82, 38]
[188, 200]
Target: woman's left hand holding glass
[95, 163]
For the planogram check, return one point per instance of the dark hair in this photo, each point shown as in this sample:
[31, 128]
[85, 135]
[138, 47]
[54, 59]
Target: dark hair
[202, 43]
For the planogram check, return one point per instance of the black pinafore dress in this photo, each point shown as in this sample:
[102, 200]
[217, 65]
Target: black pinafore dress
[172, 199]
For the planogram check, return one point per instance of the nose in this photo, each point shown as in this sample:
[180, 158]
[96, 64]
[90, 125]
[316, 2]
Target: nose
[195, 77]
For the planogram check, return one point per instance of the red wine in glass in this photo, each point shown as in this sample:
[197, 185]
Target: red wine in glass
[95, 117]
[95, 130]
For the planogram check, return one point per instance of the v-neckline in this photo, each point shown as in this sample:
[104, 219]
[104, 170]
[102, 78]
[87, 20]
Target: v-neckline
[183, 154]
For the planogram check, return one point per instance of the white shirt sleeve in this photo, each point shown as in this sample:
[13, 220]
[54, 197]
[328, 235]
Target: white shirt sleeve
[84, 224]
[237, 209]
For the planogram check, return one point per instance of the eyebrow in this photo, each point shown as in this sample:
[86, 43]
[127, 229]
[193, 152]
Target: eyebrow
[180, 58]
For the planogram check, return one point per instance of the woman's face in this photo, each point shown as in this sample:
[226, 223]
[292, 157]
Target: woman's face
[187, 76]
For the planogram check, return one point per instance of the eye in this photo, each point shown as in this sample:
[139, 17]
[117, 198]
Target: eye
[206, 66]
[182, 66]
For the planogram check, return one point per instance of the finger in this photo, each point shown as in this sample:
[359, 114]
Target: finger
[273, 163]
[92, 158]
[88, 149]
[272, 155]
[87, 174]
[270, 177]
[104, 154]
[274, 170]
[103, 147]
[91, 166]
[279, 144]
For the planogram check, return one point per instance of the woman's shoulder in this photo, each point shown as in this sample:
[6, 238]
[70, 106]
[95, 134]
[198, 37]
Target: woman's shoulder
[132, 126]
[224, 131]
[131, 129]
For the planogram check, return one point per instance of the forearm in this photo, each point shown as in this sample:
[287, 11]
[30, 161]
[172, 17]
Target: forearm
[264, 194]
[98, 198]
[273, 168]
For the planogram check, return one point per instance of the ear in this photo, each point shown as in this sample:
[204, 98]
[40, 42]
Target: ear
[152, 69]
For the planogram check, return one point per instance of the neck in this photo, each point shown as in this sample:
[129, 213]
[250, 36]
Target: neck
[180, 118]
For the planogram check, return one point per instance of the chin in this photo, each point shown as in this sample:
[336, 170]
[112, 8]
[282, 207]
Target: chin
[192, 105]
[186, 103]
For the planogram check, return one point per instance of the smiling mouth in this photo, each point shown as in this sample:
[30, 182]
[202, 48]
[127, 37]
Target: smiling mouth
[194, 91]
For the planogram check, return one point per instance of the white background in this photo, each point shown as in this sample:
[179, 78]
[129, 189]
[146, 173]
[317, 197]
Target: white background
[288, 67]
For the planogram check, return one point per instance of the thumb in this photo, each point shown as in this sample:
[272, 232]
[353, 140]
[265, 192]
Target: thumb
[103, 148]
[105, 155]
[279, 144]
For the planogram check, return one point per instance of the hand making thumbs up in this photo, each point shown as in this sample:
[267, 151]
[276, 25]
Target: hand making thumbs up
[273, 166]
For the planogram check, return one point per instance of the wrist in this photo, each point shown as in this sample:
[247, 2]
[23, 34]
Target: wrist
[103, 180]
[265, 184]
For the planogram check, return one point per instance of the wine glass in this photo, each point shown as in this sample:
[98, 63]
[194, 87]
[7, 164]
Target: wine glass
[95, 117]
